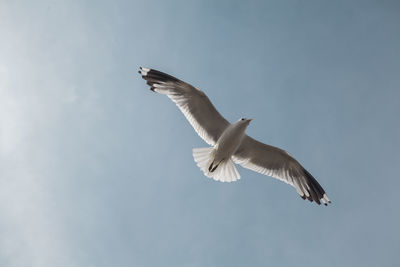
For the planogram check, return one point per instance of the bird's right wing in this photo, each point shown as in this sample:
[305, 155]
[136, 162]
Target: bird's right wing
[193, 103]
[275, 162]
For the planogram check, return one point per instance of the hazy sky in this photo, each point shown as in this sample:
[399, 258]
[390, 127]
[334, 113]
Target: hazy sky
[96, 170]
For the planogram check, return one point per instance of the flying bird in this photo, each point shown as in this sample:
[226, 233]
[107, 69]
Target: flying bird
[229, 143]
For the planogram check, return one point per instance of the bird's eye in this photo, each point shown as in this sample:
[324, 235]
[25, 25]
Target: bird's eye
[242, 119]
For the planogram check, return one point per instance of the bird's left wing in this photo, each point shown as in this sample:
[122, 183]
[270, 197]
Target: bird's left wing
[277, 163]
[193, 103]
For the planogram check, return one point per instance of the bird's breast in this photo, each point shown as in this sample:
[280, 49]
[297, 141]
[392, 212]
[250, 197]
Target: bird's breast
[229, 142]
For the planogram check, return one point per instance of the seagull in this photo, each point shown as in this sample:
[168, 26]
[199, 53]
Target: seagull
[229, 144]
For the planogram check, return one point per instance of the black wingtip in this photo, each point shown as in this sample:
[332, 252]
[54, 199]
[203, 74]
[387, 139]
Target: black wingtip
[315, 190]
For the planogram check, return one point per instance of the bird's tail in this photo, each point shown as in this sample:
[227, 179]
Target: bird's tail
[224, 171]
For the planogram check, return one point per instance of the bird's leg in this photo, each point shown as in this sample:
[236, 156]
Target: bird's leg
[212, 168]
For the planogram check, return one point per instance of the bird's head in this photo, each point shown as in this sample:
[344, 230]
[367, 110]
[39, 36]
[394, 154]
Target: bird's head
[245, 121]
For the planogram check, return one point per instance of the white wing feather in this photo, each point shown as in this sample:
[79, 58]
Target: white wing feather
[275, 162]
[193, 103]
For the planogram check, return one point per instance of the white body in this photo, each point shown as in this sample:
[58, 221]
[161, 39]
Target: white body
[230, 140]
[216, 162]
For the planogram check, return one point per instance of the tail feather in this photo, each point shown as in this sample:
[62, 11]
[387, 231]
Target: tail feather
[224, 171]
[204, 158]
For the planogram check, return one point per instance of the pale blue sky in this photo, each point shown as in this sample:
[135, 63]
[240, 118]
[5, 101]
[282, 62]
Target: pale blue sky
[96, 170]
